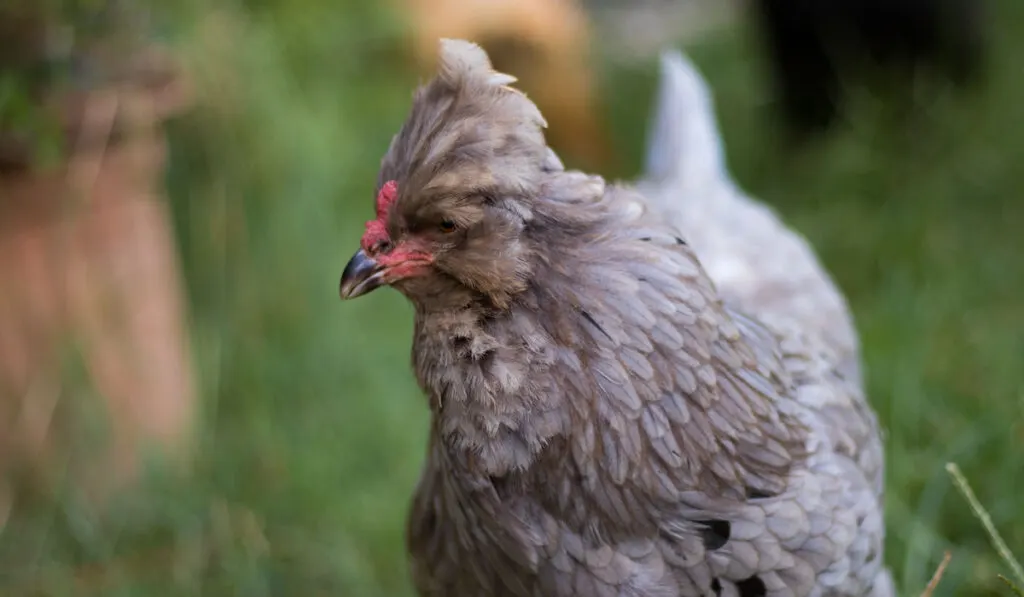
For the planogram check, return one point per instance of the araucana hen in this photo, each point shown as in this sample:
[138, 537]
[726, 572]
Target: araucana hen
[608, 419]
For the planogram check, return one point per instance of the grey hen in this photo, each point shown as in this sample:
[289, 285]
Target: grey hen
[605, 422]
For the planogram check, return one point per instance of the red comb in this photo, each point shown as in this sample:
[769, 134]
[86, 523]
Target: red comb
[387, 195]
[376, 230]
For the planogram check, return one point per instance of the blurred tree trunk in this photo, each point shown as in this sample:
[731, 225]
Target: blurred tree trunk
[88, 266]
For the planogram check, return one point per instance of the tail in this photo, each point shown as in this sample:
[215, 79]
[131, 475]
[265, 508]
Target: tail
[684, 147]
[762, 267]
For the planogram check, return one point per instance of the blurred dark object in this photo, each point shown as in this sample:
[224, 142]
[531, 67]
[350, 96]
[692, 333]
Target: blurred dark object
[546, 43]
[90, 269]
[817, 47]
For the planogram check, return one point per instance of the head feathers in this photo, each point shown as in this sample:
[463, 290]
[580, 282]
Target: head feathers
[464, 64]
[468, 132]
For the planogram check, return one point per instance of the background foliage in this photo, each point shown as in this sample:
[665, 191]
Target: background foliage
[314, 429]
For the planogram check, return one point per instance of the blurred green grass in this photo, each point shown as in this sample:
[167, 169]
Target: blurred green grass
[314, 429]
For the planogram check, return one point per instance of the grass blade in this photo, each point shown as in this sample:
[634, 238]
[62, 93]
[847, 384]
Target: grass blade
[1017, 590]
[986, 521]
[934, 582]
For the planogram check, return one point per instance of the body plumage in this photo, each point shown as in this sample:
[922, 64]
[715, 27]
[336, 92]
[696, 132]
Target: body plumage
[603, 421]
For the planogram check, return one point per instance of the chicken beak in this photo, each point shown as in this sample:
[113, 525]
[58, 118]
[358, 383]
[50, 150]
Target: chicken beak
[361, 276]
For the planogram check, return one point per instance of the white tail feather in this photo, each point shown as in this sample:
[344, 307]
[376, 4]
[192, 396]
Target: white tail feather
[684, 146]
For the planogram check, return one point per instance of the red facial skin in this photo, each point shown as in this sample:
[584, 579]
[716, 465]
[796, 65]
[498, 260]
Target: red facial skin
[406, 258]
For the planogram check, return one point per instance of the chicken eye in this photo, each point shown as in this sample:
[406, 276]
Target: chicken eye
[447, 226]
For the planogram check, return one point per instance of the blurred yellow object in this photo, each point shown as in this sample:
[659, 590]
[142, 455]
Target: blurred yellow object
[544, 43]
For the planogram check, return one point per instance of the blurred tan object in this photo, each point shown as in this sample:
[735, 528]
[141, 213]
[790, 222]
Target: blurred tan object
[89, 265]
[638, 31]
[545, 42]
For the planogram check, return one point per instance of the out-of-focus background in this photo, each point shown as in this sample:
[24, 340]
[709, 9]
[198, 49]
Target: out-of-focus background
[187, 301]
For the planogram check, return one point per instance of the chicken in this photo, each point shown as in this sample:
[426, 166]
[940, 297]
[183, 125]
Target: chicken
[606, 421]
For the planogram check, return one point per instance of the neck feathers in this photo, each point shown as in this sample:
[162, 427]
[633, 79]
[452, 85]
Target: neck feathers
[621, 346]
